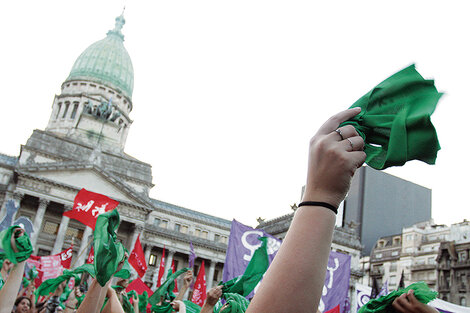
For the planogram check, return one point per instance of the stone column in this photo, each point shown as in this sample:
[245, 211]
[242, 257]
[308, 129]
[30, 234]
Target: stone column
[169, 259]
[137, 230]
[64, 223]
[38, 220]
[148, 249]
[83, 246]
[210, 276]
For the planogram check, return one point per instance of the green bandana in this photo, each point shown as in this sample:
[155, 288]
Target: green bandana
[51, 285]
[23, 245]
[235, 303]
[125, 271]
[191, 307]
[395, 120]
[109, 252]
[167, 287]
[384, 304]
[126, 304]
[255, 270]
[143, 301]
[164, 308]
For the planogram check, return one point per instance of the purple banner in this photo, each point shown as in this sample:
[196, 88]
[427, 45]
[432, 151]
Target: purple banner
[242, 243]
[335, 290]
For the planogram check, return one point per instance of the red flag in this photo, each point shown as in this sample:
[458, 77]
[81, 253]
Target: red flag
[139, 286]
[66, 257]
[199, 291]
[91, 256]
[88, 205]
[137, 258]
[161, 269]
[174, 270]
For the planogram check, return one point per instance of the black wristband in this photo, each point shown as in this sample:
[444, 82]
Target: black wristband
[323, 204]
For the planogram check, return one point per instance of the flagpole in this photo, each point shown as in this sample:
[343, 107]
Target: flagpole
[78, 257]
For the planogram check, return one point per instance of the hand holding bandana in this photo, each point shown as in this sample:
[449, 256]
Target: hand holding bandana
[395, 120]
[18, 248]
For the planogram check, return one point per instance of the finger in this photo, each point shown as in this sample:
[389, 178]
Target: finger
[398, 306]
[345, 132]
[333, 122]
[353, 144]
[411, 297]
[358, 158]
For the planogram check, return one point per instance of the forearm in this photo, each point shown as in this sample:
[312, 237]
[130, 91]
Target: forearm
[10, 289]
[297, 273]
[94, 298]
[181, 293]
[207, 308]
[113, 305]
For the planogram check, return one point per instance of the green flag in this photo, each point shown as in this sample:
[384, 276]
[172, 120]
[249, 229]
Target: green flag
[23, 244]
[395, 120]
[384, 304]
[166, 287]
[255, 270]
[109, 252]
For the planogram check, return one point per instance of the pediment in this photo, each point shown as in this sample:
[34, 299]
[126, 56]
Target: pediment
[91, 179]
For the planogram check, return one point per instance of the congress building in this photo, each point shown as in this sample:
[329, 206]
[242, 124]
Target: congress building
[83, 147]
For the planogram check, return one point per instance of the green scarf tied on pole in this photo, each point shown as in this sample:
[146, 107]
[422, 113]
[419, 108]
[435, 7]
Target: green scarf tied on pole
[254, 272]
[166, 289]
[384, 304]
[395, 120]
[23, 244]
[109, 252]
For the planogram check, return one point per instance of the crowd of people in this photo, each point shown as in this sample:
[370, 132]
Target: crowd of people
[292, 283]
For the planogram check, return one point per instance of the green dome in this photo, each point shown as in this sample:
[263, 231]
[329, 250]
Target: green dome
[107, 62]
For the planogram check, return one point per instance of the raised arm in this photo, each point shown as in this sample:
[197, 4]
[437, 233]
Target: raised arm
[294, 281]
[10, 290]
[188, 278]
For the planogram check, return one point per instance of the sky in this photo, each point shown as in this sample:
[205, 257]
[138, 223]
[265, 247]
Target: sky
[227, 94]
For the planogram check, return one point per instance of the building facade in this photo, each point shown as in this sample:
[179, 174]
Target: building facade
[453, 265]
[83, 147]
[411, 254]
[380, 204]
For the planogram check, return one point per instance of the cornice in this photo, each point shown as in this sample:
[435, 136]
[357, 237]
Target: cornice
[185, 238]
[73, 188]
[76, 165]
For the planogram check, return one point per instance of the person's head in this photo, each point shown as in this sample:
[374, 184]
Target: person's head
[23, 305]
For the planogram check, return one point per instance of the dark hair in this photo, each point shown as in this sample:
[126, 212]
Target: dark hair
[18, 300]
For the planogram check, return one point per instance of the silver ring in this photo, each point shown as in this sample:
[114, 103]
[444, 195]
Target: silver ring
[339, 133]
[350, 141]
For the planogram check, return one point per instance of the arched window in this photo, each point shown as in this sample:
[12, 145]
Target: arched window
[67, 104]
[74, 111]
[463, 301]
[59, 106]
